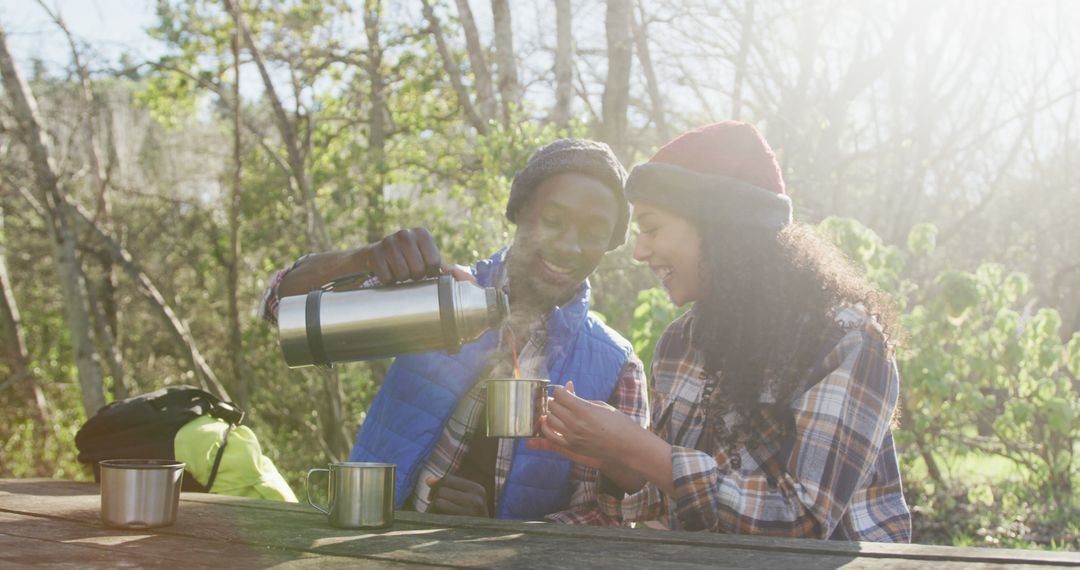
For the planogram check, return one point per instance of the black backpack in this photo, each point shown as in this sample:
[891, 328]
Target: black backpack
[143, 427]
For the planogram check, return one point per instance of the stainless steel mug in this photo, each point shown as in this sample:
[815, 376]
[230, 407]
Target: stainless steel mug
[361, 495]
[514, 406]
[140, 493]
[326, 326]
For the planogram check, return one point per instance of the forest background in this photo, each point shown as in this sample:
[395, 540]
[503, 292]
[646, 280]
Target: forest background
[146, 200]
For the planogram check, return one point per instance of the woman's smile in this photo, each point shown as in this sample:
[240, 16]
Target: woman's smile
[671, 245]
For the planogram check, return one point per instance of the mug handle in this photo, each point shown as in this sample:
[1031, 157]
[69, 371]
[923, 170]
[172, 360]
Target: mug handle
[545, 404]
[549, 390]
[307, 489]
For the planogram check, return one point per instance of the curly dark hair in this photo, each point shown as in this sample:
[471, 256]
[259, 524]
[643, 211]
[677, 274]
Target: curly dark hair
[765, 294]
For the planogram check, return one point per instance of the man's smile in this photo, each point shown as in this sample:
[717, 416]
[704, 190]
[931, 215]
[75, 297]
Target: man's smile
[561, 269]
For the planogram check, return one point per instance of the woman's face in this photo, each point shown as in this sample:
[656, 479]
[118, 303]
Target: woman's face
[671, 245]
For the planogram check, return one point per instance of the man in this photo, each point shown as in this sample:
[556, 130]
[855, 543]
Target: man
[570, 209]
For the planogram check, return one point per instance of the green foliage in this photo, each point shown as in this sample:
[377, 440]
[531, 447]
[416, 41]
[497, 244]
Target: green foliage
[882, 263]
[653, 313]
[922, 240]
[986, 372]
[983, 371]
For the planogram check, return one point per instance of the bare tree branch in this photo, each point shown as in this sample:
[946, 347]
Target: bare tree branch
[641, 41]
[452, 71]
[318, 236]
[179, 329]
[484, 95]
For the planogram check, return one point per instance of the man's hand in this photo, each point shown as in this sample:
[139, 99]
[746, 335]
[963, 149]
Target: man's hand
[454, 495]
[409, 254]
[403, 255]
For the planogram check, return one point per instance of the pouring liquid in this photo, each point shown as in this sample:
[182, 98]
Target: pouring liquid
[513, 351]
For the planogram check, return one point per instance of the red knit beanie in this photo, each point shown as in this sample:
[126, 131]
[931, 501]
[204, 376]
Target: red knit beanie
[724, 172]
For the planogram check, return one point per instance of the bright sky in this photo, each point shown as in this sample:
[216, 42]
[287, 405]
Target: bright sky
[110, 27]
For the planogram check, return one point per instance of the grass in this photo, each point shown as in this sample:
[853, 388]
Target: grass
[989, 501]
[972, 468]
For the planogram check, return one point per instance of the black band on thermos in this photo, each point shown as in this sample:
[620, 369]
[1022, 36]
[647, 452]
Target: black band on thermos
[313, 324]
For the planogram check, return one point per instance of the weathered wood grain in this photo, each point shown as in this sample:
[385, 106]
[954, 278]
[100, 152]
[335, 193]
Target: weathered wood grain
[38, 540]
[262, 533]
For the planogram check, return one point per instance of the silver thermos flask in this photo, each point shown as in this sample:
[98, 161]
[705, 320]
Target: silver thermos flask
[326, 326]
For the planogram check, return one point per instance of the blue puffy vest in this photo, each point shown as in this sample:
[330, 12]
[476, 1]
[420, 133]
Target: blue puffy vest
[421, 391]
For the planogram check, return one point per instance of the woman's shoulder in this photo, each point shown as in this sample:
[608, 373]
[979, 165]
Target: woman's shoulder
[854, 335]
[858, 324]
[677, 333]
[674, 347]
[859, 347]
[861, 358]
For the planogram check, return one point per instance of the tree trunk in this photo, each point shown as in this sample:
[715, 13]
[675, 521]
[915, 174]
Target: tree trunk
[793, 98]
[106, 342]
[616, 97]
[505, 59]
[641, 42]
[102, 303]
[932, 468]
[746, 39]
[236, 345]
[14, 340]
[376, 152]
[564, 63]
[485, 97]
[452, 70]
[62, 234]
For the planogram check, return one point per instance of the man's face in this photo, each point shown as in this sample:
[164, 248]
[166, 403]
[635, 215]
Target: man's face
[563, 232]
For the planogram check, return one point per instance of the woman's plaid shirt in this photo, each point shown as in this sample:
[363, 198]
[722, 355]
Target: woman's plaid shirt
[834, 476]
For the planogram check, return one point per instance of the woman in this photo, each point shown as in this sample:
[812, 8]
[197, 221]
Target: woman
[773, 398]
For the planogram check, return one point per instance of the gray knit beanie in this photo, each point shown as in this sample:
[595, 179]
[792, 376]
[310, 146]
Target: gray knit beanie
[583, 156]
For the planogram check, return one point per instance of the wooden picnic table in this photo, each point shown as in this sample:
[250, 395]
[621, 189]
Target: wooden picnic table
[57, 523]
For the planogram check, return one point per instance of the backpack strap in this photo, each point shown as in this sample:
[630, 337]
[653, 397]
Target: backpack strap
[217, 458]
[231, 414]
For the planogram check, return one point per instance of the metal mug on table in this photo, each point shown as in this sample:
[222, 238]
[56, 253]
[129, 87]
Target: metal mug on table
[361, 495]
[140, 493]
[514, 406]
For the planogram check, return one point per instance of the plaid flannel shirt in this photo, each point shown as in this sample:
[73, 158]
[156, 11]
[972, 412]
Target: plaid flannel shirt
[835, 476]
[629, 397]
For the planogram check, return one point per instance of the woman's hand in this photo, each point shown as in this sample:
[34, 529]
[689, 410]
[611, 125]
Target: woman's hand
[597, 435]
[548, 445]
[589, 428]
[454, 495]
